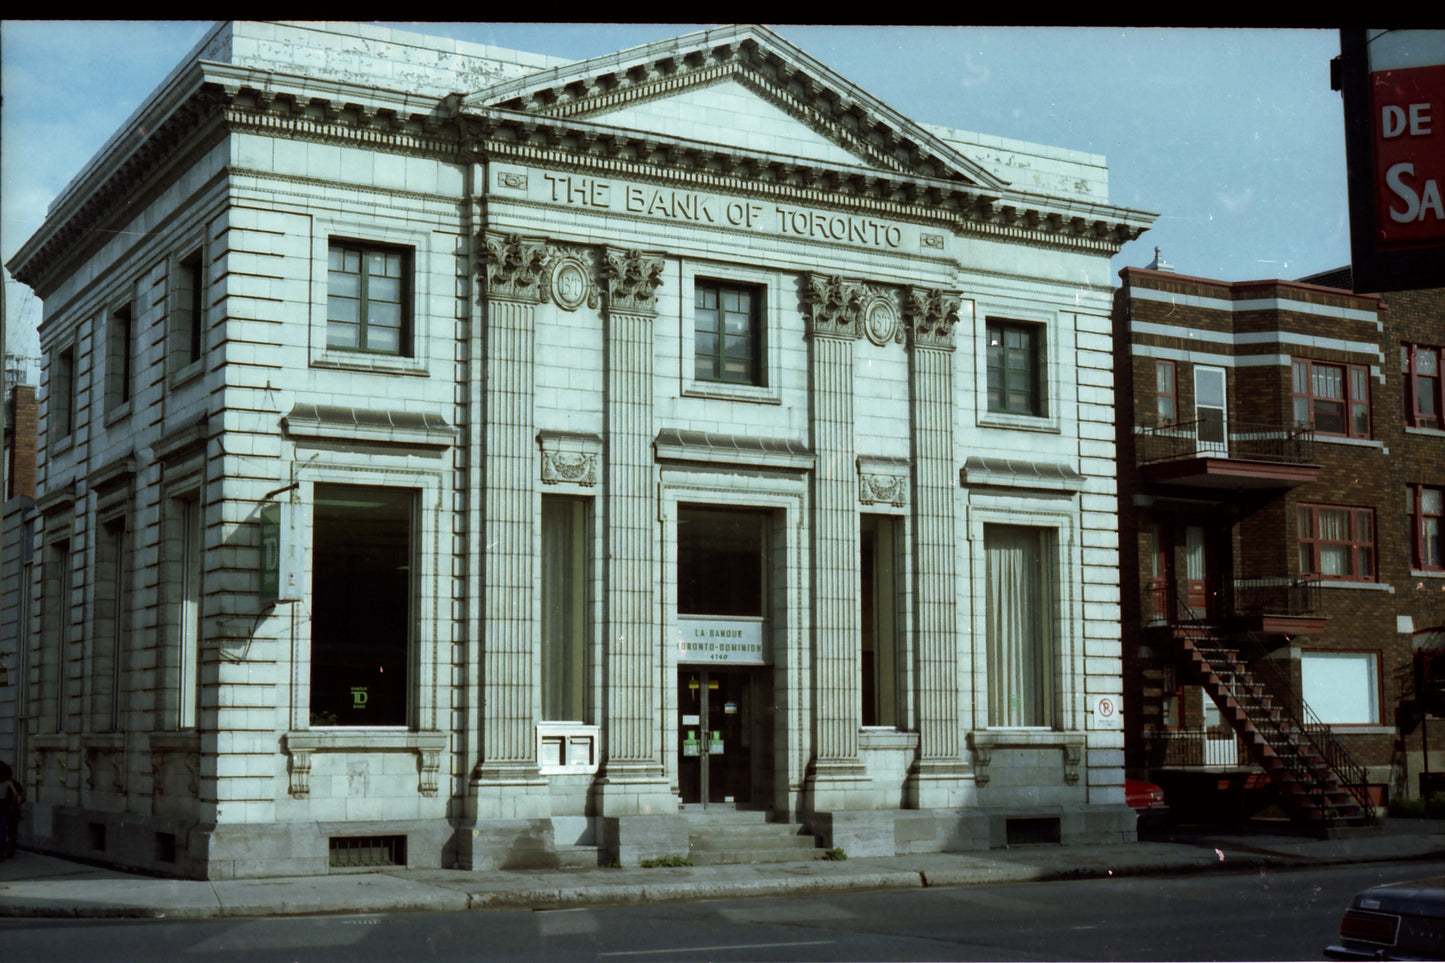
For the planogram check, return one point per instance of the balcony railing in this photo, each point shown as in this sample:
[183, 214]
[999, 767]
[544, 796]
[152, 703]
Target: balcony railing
[1272, 596]
[1243, 442]
[1192, 747]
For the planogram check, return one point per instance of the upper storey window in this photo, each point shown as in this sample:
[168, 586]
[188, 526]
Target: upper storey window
[1424, 402]
[727, 334]
[1015, 368]
[1333, 399]
[367, 298]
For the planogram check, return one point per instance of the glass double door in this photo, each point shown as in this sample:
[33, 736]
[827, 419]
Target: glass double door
[715, 736]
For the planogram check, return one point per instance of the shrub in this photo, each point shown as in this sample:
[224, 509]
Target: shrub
[1418, 808]
[662, 861]
[836, 853]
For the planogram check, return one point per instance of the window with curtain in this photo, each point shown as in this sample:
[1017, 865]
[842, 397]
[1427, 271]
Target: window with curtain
[1021, 669]
[564, 609]
[1337, 542]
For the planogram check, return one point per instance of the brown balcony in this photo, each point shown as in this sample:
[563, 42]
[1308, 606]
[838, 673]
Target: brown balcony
[1204, 454]
[1278, 605]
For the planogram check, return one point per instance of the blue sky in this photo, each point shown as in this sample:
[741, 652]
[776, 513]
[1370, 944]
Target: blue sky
[1233, 137]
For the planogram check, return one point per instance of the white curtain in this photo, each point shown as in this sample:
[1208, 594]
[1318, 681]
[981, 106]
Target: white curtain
[1020, 628]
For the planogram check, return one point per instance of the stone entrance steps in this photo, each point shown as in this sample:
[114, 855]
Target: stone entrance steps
[745, 836]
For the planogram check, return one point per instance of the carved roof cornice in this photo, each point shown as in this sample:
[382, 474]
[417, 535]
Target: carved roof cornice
[107, 188]
[201, 102]
[528, 138]
[763, 62]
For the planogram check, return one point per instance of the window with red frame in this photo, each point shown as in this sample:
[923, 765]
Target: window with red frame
[1337, 542]
[1426, 508]
[1424, 401]
[1167, 392]
[1333, 399]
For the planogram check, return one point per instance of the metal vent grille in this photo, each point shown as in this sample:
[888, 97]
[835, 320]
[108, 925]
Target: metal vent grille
[360, 852]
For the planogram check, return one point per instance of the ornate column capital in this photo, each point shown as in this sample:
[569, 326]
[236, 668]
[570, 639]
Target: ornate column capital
[833, 305]
[932, 315]
[633, 278]
[512, 267]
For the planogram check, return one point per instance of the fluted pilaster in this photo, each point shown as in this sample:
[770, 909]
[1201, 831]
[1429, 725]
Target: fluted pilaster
[930, 323]
[512, 270]
[632, 779]
[834, 307]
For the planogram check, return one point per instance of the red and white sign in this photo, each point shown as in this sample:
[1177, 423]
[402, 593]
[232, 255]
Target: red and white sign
[1108, 713]
[1409, 143]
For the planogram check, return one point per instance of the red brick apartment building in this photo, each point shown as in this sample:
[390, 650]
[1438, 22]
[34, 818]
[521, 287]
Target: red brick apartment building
[1281, 478]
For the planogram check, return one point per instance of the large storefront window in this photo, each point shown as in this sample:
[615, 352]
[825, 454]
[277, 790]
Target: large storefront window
[361, 618]
[720, 562]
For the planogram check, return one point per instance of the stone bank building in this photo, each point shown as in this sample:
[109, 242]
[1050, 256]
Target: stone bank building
[460, 457]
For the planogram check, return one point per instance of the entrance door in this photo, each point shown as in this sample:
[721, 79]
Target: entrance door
[1161, 573]
[1196, 569]
[715, 751]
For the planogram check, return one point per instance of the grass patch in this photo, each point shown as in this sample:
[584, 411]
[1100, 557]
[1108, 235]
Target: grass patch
[663, 861]
[835, 854]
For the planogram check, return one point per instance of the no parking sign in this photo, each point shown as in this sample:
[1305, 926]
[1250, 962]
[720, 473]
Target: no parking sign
[1107, 713]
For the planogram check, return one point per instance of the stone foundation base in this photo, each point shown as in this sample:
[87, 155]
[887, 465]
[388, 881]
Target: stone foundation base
[629, 840]
[970, 829]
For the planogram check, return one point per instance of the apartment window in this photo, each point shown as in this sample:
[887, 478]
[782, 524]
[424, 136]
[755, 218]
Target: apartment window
[1336, 542]
[878, 595]
[727, 333]
[1015, 368]
[1020, 623]
[118, 358]
[188, 315]
[60, 400]
[564, 608]
[1424, 401]
[1166, 393]
[1425, 506]
[1342, 688]
[368, 299]
[1333, 399]
[362, 605]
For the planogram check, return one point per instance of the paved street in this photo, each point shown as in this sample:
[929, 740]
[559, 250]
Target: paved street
[1273, 914]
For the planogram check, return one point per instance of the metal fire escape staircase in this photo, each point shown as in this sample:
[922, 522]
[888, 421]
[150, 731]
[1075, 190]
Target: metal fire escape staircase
[1319, 785]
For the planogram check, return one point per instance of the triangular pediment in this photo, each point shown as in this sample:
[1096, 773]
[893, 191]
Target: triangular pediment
[744, 90]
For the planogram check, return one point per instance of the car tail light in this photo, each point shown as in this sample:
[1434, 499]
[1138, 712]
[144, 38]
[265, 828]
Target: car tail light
[1369, 927]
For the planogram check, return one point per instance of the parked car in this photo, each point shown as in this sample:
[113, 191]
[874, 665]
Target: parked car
[1397, 921]
[1147, 801]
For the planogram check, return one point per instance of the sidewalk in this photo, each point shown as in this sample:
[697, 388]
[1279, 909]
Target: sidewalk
[37, 885]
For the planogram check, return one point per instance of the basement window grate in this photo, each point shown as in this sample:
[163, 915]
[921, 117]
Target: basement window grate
[1026, 832]
[361, 852]
[165, 847]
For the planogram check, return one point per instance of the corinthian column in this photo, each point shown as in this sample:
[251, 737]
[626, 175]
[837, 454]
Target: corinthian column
[506, 778]
[833, 309]
[632, 780]
[934, 780]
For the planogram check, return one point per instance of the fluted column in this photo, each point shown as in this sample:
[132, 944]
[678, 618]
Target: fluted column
[833, 315]
[512, 285]
[632, 780]
[934, 780]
